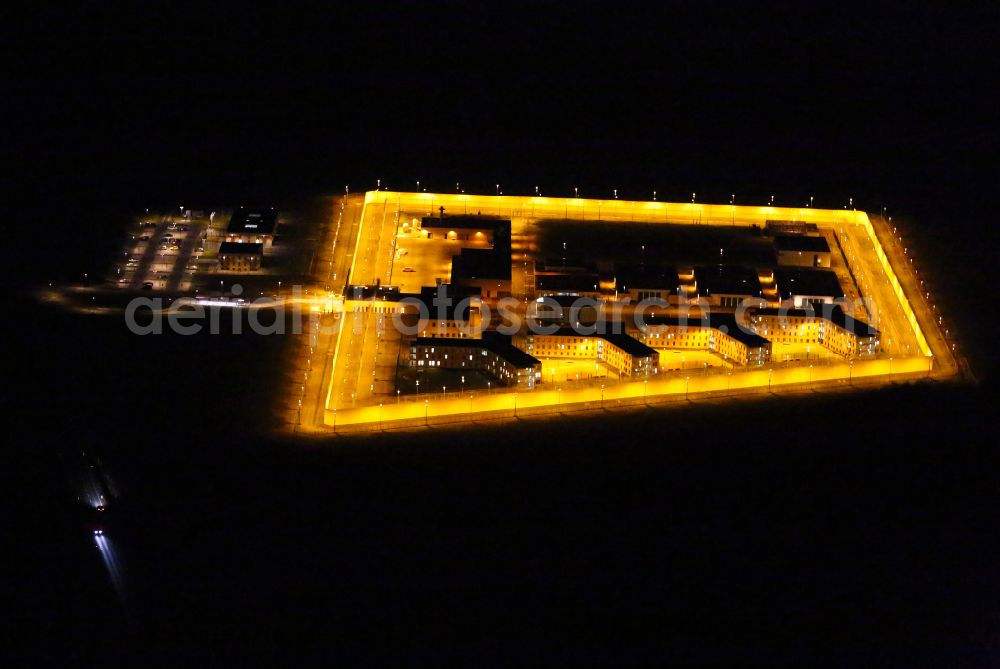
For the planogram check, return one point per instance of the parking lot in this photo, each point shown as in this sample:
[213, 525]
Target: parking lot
[162, 253]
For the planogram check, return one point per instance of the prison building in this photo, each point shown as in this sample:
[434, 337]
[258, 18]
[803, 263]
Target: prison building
[621, 352]
[802, 250]
[825, 325]
[494, 354]
[718, 333]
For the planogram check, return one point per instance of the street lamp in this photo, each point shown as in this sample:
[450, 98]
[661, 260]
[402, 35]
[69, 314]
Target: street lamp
[687, 383]
[425, 412]
[602, 395]
[515, 405]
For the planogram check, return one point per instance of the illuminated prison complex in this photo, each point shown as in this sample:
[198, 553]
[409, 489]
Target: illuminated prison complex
[735, 312]
[742, 287]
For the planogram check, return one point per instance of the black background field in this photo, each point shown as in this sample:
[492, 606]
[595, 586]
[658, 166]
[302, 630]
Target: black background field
[851, 530]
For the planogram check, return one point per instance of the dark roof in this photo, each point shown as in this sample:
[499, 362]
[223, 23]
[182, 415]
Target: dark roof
[645, 276]
[789, 227]
[567, 301]
[481, 264]
[807, 243]
[831, 312]
[502, 345]
[630, 345]
[818, 282]
[625, 342]
[491, 341]
[239, 248]
[459, 222]
[725, 323]
[253, 221]
[452, 295]
[574, 283]
[727, 280]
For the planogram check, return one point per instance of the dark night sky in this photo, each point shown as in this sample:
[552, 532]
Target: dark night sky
[689, 537]
[875, 103]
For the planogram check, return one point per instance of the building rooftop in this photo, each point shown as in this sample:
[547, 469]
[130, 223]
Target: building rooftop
[727, 280]
[650, 277]
[481, 264]
[253, 221]
[777, 227]
[725, 323]
[237, 248]
[803, 243]
[491, 341]
[831, 312]
[464, 222]
[814, 282]
[566, 283]
[625, 342]
[452, 297]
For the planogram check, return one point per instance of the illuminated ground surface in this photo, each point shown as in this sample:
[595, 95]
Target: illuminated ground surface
[348, 377]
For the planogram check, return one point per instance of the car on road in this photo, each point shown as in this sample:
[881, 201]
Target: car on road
[408, 269]
[144, 238]
[147, 285]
